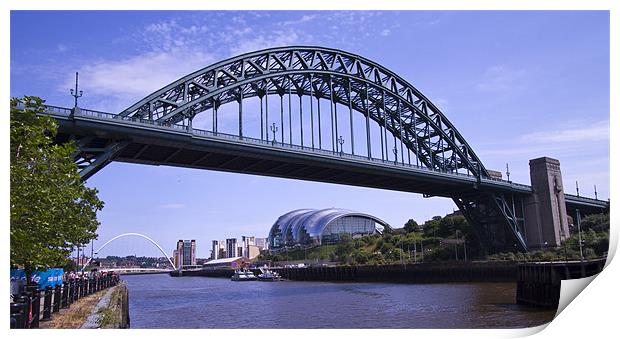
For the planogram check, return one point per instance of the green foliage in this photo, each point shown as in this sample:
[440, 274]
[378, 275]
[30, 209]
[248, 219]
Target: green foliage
[345, 247]
[411, 226]
[52, 211]
[396, 246]
[596, 222]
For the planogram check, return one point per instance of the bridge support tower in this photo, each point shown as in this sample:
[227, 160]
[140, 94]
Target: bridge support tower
[546, 222]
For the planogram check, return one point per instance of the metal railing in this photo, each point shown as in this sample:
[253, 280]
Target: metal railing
[27, 310]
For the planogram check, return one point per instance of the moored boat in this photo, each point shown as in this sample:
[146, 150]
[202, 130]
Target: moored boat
[268, 275]
[243, 275]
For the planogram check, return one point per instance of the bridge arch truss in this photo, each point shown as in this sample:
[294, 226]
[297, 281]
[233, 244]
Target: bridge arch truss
[339, 77]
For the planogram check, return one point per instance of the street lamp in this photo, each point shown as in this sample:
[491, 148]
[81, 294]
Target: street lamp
[579, 229]
[595, 193]
[274, 129]
[341, 142]
[507, 172]
[577, 186]
[76, 94]
[395, 155]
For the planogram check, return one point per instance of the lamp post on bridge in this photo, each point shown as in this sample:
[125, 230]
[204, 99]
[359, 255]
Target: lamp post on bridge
[76, 94]
[579, 230]
[577, 186]
[507, 172]
[274, 129]
[395, 150]
[595, 193]
[341, 142]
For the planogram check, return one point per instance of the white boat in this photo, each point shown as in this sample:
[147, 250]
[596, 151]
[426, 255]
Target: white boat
[268, 275]
[243, 275]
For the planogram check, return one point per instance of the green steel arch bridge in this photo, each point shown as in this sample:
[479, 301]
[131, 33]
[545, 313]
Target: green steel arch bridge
[364, 126]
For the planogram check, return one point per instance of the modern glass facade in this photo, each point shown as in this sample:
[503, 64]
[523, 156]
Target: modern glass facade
[315, 227]
[185, 254]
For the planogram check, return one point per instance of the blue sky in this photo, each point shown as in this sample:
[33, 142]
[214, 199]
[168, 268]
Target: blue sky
[517, 85]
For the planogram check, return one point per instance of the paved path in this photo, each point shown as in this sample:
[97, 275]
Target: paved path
[93, 319]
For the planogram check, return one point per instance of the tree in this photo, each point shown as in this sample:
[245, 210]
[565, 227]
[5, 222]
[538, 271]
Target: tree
[411, 226]
[52, 211]
[596, 222]
[345, 247]
[431, 227]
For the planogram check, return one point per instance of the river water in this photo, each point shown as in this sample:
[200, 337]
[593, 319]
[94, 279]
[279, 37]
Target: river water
[161, 301]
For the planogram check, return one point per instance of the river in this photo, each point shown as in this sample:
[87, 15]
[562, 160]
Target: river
[161, 301]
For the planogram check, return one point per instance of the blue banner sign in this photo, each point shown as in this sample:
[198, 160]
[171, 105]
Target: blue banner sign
[18, 275]
[51, 277]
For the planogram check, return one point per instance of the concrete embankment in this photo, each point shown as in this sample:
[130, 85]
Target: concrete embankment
[112, 310]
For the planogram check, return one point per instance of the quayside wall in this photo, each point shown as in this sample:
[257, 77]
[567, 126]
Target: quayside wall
[538, 284]
[416, 273]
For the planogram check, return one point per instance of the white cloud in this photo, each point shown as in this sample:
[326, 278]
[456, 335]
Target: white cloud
[275, 39]
[573, 139]
[61, 48]
[501, 79]
[303, 19]
[174, 49]
[597, 131]
[139, 75]
[385, 32]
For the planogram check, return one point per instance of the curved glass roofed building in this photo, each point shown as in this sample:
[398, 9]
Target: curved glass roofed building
[316, 227]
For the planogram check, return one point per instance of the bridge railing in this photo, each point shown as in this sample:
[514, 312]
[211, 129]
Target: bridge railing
[194, 131]
[579, 197]
[281, 145]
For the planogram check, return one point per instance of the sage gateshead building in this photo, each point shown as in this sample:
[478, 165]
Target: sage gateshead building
[307, 227]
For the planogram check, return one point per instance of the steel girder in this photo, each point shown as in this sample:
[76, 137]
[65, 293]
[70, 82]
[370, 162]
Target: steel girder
[338, 76]
[92, 159]
[498, 226]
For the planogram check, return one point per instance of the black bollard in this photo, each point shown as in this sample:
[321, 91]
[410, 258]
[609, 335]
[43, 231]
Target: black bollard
[76, 287]
[17, 314]
[76, 293]
[21, 303]
[47, 304]
[70, 292]
[57, 297]
[35, 306]
[65, 294]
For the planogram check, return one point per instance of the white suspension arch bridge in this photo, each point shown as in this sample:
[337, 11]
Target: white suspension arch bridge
[129, 235]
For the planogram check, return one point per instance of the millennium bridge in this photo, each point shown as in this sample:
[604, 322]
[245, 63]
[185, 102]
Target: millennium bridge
[394, 139]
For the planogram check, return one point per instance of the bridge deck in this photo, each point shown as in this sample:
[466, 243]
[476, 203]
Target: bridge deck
[159, 144]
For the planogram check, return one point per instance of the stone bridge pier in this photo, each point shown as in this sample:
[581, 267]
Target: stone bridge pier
[546, 222]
